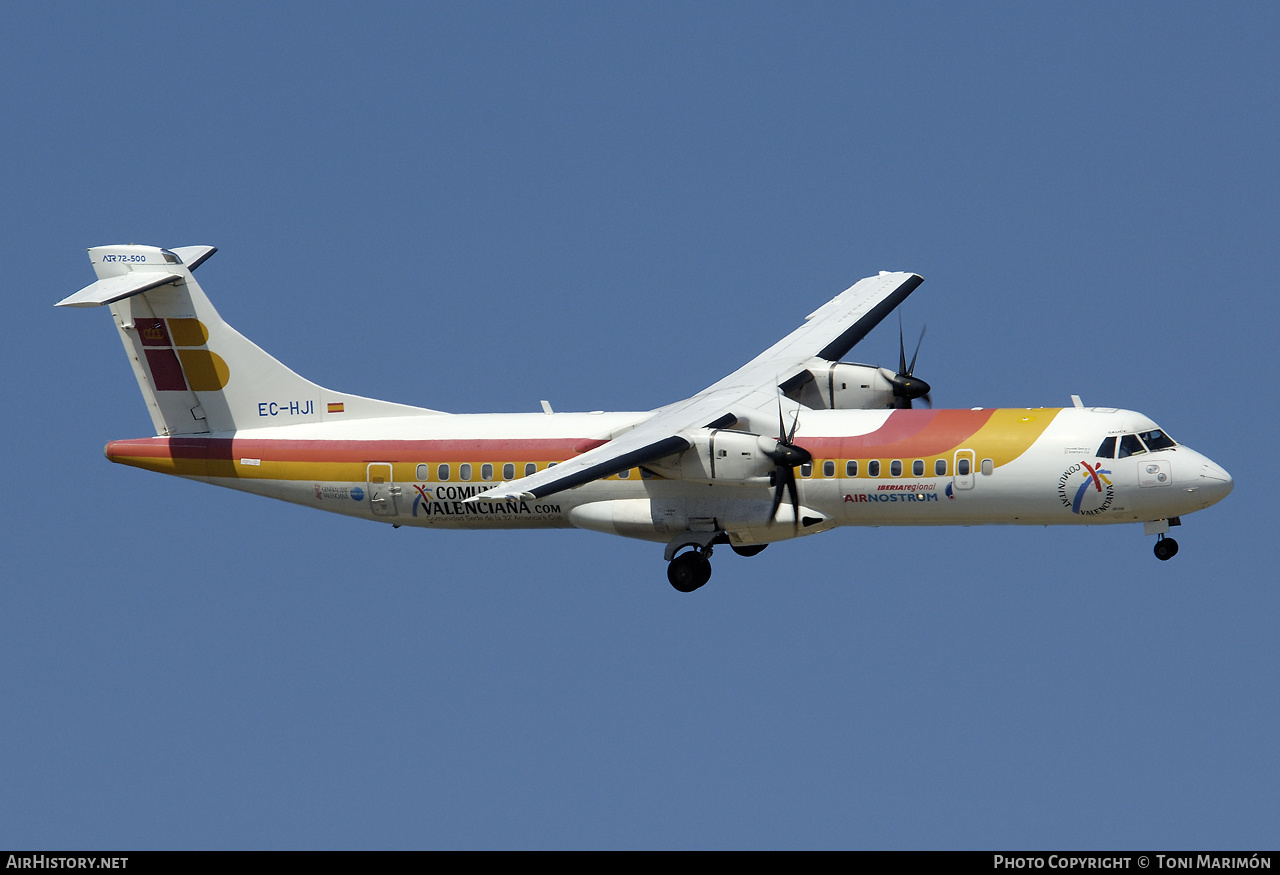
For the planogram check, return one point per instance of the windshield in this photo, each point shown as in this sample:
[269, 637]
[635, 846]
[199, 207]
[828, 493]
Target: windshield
[1135, 444]
[1156, 440]
[1130, 446]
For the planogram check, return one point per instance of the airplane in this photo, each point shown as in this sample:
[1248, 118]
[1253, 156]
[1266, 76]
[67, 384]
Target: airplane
[793, 443]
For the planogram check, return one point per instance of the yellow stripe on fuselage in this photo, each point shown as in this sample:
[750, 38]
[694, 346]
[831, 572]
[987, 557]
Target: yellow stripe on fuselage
[1004, 436]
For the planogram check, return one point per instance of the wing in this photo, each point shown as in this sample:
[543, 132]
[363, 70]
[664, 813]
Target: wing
[828, 333]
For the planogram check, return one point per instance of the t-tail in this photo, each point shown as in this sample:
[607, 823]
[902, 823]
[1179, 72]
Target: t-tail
[197, 374]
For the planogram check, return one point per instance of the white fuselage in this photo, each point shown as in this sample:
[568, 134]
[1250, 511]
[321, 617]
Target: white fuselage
[870, 468]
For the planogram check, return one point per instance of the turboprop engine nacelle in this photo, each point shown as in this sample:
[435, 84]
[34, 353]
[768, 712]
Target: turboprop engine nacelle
[843, 386]
[721, 456]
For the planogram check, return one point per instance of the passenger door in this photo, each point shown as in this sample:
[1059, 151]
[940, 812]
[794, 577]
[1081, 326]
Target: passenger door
[382, 489]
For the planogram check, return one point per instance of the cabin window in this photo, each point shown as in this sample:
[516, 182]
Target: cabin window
[1156, 440]
[806, 470]
[940, 468]
[423, 472]
[988, 466]
[442, 472]
[851, 468]
[624, 475]
[1108, 448]
[873, 468]
[895, 468]
[486, 471]
[530, 468]
[962, 467]
[1130, 446]
[464, 471]
[508, 471]
[828, 468]
[917, 468]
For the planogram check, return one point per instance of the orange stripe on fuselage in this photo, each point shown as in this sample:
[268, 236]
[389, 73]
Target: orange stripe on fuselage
[338, 460]
[1011, 432]
[1001, 435]
[905, 434]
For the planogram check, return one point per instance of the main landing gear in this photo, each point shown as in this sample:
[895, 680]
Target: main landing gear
[690, 570]
[1166, 548]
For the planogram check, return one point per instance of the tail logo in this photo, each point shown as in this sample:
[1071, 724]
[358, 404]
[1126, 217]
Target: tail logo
[178, 358]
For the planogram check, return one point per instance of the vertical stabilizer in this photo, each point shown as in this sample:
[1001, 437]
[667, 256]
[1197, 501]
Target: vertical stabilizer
[197, 374]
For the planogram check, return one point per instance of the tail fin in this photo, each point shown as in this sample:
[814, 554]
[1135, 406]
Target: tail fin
[197, 373]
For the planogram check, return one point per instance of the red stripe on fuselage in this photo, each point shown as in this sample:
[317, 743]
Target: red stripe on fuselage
[906, 433]
[482, 450]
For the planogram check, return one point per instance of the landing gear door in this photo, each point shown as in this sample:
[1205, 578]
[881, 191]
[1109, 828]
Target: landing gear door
[382, 489]
[964, 469]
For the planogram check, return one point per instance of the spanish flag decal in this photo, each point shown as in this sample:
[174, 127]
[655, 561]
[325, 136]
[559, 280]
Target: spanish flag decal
[335, 407]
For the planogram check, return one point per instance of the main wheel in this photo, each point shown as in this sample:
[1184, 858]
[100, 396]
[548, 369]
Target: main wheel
[751, 550]
[688, 571]
[1166, 549]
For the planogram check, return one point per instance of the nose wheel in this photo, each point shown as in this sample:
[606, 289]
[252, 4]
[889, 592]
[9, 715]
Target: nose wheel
[1166, 548]
[688, 571]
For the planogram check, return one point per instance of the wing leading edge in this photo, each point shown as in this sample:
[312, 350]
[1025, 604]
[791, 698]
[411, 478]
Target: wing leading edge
[828, 333]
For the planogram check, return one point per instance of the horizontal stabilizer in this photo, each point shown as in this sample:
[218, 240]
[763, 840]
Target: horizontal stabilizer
[193, 256]
[117, 288]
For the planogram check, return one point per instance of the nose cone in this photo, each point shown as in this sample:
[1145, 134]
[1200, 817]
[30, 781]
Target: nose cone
[1215, 483]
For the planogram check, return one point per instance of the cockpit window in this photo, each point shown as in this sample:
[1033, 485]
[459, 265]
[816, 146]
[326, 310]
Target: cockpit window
[1130, 446]
[1108, 448]
[1156, 440]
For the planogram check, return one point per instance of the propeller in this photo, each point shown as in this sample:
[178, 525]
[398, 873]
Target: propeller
[787, 457]
[907, 387]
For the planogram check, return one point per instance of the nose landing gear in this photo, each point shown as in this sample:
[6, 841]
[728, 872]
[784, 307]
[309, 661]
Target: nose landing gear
[1166, 548]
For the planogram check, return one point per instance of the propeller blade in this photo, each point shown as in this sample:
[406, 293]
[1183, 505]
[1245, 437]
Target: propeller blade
[787, 456]
[777, 497]
[911, 369]
[906, 386]
[902, 349]
[795, 497]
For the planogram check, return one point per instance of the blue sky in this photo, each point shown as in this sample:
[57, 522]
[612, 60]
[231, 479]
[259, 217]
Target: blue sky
[612, 208]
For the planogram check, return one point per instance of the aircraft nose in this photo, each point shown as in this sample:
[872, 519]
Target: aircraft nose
[1215, 480]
